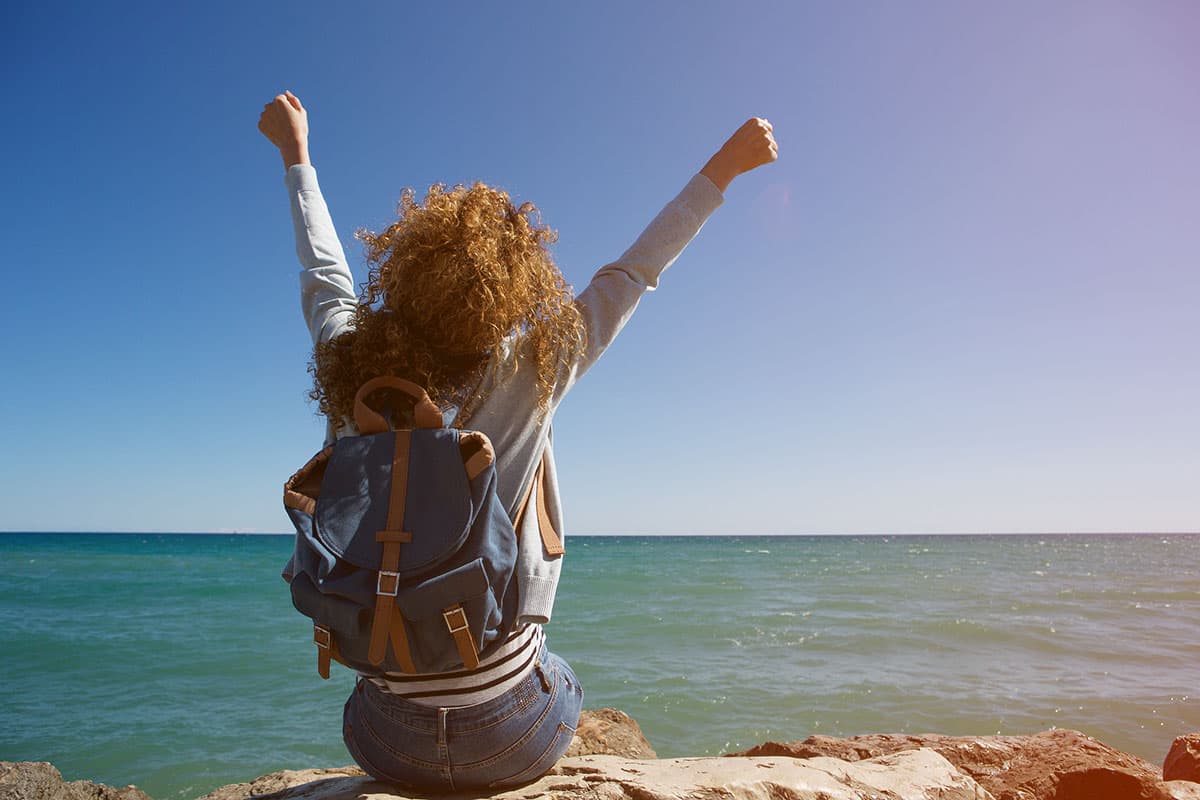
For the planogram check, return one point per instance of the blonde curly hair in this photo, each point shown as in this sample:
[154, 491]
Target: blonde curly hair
[449, 282]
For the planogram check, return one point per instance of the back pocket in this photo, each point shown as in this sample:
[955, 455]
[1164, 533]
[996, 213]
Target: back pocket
[424, 609]
[558, 745]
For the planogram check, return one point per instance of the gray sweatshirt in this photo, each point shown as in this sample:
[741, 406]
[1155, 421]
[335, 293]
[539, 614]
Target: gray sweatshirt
[508, 395]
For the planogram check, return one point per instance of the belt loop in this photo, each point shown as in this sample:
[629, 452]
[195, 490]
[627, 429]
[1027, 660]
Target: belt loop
[441, 726]
[542, 677]
[443, 746]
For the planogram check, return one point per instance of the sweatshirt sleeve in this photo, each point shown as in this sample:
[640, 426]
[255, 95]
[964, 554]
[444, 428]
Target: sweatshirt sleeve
[327, 294]
[615, 290]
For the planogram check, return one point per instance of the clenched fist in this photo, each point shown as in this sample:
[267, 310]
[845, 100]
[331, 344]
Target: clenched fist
[285, 122]
[751, 145]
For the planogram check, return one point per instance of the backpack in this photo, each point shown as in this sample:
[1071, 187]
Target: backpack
[405, 557]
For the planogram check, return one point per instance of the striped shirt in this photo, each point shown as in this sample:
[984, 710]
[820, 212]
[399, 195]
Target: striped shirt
[494, 676]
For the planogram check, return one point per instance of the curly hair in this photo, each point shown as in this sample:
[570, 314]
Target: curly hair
[449, 282]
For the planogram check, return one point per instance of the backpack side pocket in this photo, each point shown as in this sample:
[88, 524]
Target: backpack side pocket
[451, 616]
[344, 617]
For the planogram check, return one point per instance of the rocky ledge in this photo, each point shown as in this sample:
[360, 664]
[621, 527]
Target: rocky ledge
[610, 759]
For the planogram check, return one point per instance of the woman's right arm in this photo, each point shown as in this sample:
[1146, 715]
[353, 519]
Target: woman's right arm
[327, 294]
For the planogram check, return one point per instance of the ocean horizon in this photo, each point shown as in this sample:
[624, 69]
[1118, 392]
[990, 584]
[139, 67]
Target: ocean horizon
[176, 662]
[249, 532]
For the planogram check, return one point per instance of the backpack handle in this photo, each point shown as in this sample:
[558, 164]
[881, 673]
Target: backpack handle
[426, 414]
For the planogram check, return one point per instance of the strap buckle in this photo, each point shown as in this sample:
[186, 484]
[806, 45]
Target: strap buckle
[456, 625]
[394, 583]
[322, 636]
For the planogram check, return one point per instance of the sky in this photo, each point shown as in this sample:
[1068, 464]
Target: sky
[966, 298]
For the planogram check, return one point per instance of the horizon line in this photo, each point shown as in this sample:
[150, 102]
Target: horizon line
[645, 533]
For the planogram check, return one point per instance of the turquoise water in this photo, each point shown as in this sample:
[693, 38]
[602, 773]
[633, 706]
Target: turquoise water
[177, 663]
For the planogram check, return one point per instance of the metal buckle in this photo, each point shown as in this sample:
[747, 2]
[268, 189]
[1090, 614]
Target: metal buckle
[452, 625]
[322, 636]
[395, 577]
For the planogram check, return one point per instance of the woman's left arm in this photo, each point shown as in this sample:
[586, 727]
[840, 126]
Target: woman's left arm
[327, 293]
[609, 300]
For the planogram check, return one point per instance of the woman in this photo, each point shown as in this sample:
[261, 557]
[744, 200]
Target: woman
[464, 299]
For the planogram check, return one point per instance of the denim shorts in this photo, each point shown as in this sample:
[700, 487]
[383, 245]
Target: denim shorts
[507, 741]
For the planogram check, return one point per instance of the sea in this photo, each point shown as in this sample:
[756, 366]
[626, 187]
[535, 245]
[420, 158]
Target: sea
[177, 663]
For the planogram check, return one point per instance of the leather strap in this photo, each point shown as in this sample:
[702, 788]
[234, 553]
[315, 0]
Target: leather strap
[323, 639]
[460, 629]
[399, 493]
[426, 414]
[301, 490]
[387, 623]
[326, 649]
[477, 451]
[551, 541]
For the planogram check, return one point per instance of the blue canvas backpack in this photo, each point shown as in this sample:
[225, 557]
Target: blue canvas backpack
[405, 557]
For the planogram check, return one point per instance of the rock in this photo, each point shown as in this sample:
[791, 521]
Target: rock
[1182, 790]
[610, 759]
[910, 774]
[607, 731]
[331, 783]
[1183, 759]
[1052, 765]
[37, 780]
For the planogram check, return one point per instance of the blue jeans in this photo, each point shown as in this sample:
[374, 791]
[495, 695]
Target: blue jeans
[507, 741]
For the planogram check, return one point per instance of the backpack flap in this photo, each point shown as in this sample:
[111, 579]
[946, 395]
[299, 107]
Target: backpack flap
[357, 489]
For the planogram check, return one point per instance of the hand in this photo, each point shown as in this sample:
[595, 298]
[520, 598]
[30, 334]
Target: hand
[285, 122]
[751, 145]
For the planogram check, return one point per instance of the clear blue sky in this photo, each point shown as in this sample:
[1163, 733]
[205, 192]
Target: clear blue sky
[966, 297]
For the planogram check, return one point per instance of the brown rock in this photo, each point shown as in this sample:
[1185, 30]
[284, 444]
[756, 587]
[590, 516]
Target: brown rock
[37, 780]
[609, 731]
[1052, 765]
[1183, 759]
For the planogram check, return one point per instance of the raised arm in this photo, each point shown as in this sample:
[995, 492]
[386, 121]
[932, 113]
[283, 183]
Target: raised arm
[615, 290]
[327, 294]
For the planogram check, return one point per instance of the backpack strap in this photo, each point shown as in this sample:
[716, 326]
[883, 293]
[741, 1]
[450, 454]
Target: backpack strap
[456, 622]
[326, 649]
[387, 624]
[551, 541]
[426, 414]
[323, 639]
